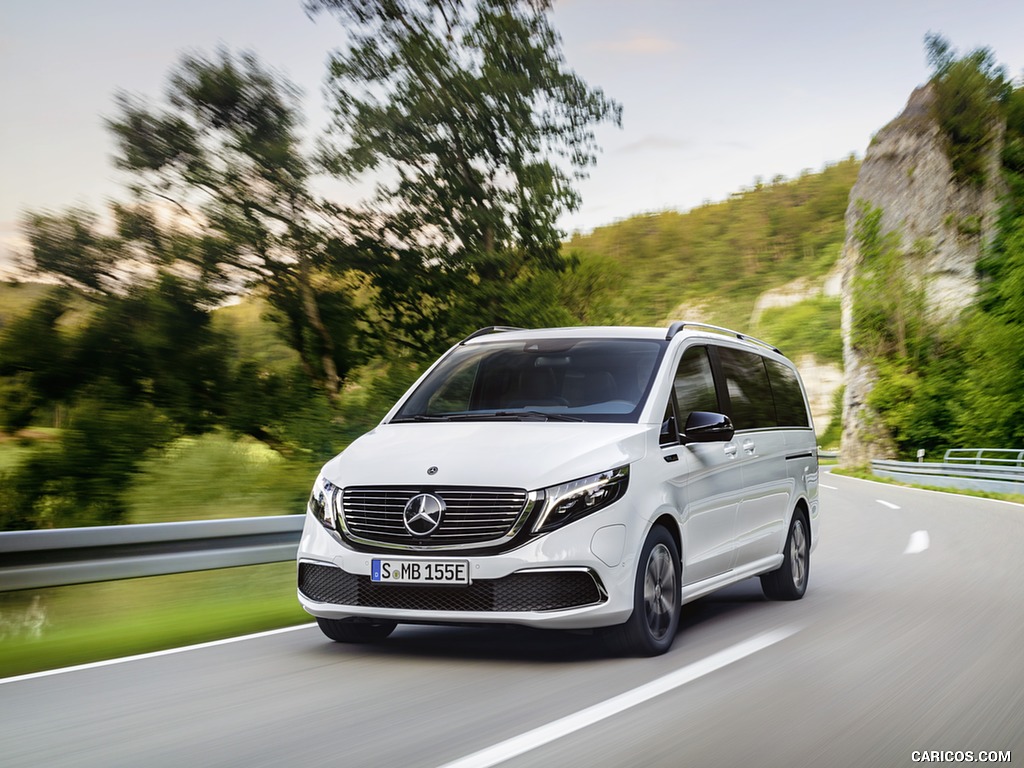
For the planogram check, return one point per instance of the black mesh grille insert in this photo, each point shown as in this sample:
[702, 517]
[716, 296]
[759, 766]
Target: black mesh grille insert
[541, 591]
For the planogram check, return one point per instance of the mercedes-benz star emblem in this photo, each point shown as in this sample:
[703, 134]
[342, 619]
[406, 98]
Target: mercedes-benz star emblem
[423, 513]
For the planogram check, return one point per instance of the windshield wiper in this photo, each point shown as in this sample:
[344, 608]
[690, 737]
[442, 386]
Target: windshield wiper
[541, 414]
[421, 417]
[517, 415]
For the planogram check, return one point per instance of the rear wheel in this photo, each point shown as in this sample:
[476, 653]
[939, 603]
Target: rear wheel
[652, 627]
[789, 581]
[349, 631]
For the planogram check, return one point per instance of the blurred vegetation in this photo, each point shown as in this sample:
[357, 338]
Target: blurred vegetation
[970, 95]
[809, 327]
[217, 476]
[721, 256]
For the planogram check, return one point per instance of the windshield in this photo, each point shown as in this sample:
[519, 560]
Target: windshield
[550, 379]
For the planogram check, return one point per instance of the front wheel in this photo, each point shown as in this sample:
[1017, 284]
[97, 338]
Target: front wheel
[348, 631]
[789, 581]
[652, 626]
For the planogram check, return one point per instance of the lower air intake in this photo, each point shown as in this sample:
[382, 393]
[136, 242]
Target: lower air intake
[520, 592]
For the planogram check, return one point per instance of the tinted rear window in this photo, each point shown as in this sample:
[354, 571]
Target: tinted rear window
[789, 399]
[746, 380]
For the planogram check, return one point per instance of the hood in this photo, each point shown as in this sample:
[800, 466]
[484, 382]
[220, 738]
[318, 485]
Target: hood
[518, 454]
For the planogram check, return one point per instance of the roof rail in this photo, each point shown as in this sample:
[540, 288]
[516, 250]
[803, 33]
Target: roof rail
[491, 329]
[677, 326]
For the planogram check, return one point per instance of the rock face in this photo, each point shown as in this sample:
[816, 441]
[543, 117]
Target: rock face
[907, 174]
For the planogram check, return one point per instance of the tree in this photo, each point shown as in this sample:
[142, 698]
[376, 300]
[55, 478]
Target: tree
[970, 94]
[228, 156]
[465, 112]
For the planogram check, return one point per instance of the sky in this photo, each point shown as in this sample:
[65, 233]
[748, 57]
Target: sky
[715, 94]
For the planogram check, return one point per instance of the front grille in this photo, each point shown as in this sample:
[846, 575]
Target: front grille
[540, 591]
[472, 515]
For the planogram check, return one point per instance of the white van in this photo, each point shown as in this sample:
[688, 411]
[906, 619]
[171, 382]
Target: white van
[569, 478]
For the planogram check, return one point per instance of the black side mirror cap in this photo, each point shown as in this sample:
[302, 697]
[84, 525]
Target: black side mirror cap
[707, 427]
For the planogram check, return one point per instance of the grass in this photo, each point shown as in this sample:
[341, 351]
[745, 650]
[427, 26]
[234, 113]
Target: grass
[865, 473]
[94, 622]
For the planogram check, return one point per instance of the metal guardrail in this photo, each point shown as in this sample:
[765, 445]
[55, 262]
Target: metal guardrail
[997, 478]
[983, 456]
[49, 558]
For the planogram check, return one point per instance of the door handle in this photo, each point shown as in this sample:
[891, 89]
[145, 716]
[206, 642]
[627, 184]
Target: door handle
[730, 450]
[749, 447]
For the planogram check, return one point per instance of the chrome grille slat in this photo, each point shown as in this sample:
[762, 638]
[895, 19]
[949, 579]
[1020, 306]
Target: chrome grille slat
[472, 515]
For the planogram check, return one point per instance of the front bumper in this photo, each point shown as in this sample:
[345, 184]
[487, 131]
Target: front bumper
[576, 577]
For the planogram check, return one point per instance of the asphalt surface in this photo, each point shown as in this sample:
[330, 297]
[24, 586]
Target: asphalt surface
[910, 639]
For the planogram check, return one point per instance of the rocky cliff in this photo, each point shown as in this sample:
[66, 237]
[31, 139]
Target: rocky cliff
[942, 226]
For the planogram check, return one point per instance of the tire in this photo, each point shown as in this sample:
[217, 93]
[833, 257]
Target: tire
[652, 626]
[789, 580]
[348, 631]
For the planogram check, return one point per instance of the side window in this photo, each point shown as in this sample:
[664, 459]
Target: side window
[749, 390]
[695, 384]
[789, 399]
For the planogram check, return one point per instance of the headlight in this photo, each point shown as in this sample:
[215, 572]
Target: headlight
[323, 502]
[570, 501]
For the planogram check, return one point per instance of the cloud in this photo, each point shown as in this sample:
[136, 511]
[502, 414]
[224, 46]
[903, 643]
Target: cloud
[638, 44]
[655, 143]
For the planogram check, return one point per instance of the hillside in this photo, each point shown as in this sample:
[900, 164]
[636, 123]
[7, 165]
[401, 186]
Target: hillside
[715, 261]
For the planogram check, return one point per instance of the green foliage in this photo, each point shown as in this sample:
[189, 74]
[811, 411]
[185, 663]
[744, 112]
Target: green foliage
[217, 476]
[810, 327]
[725, 254]
[81, 480]
[991, 412]
[468, 112]
[16, 299]
[229, 148]
[34, 351]
[372, 392]
[888, 306]
[917, 401]
[831, 437]
[255, 328]
[917, 363]
[141, 368]
[994, 261]
[970, 94]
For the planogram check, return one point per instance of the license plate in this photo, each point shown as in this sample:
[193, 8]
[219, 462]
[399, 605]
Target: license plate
[419, 571]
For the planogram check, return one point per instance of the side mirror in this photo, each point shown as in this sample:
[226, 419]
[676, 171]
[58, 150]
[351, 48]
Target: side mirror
[707, 427]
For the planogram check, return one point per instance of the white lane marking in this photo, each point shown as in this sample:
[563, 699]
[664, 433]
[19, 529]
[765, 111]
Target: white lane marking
[545, 734]
[888, 504]
[918, 543]
[151, 655]
[830, 487]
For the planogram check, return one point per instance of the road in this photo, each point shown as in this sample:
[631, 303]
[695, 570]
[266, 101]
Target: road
[910, 638]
